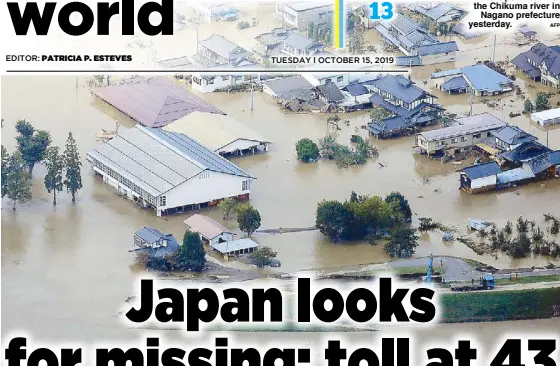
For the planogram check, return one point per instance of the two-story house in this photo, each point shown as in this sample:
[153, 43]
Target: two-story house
[217, 52]
[286, 42]
[510, 137]
[299, 14]
[419, 46]
[541, 63]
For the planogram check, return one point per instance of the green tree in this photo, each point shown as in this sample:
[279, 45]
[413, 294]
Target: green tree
[311, 31]
[248, 219]
[333, 219]
[72, 163]
[374, 214]
[332, 122]
[263, 256]
[379, 113]
[18, 180]
[528, 106]
[307, 150]
[356, 40]
[192, 256]
[227, 206]
[541, 103]
[54, 162]
[31, 143]
[5, 157]
[520, 246]
[403, 242]
[400, 204]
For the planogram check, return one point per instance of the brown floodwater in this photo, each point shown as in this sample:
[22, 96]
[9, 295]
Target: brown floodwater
[66, 269]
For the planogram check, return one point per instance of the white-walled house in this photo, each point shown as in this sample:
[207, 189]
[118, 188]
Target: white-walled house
[210, 231]
[322, 78]
[166, 171]
[300, 13]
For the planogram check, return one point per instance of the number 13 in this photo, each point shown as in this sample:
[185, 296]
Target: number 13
[387, 12]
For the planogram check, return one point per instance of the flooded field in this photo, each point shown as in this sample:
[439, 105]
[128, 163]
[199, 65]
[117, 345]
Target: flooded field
[67, 269]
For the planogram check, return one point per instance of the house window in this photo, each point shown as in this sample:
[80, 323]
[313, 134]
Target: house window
[477, 136]
[162, 201]
[246, 185]
[204, 175]
[453, 141]
[339, 79]
[463, 139]
[327, 81]
[488, 134]
[322, 15]
[210, 81]
[437, 144]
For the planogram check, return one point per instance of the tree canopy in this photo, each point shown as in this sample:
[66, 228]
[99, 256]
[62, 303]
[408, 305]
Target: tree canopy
[403, 242]
[307, 150]
[32, 144]
[192, 256]
[248, 219]
[72, 163]
[54, 162]
[5, 157]
[263, 256]
[18, 180]
[227, 205]
[400, 205]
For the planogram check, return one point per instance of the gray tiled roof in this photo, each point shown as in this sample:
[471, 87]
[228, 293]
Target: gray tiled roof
[220, 45]
[158, 161]
[331, 92]
[544, 161]
[513, 135]
[437, 48]
[283, 85]
[400, 87]
[301, 42]
[539, 54]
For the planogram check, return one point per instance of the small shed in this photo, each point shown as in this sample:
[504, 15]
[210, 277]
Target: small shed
[211, 232]
[154, 242]
[236, 247]
[480, 178]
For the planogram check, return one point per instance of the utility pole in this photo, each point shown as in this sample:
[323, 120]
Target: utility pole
[470, 101]
[494, 52]
[252, 96]
[547, 136]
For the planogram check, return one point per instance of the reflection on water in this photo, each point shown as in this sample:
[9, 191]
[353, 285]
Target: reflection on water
[67, 269]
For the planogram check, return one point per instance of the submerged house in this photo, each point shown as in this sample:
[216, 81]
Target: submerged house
[329, 94]
[403, 99]
[217, 52]
[547, 118]
[278, 87]
[479, 79]
[522, 154]
[479, 178]
[300, 13]
[465, 133]
[510, 137]
[155, 243]
[211, 232]
[419, 46]
[541, 63]
[286, 42]
[210, 12]
[438, 13]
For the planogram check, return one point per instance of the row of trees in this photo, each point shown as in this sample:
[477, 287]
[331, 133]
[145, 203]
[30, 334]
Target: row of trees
[320, 32]
[34, 147]
[370, 218]
[328, 148]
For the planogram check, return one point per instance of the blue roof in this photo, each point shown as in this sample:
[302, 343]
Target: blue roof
[484, 78]
[544, 161]
[399, 87]
[356, 89]
[388, 124]
[482, 170]
[513, 135]
[456, 83]
[525, 152]
[437, 48]
[514, 175]
[151, 236]
[205, 157]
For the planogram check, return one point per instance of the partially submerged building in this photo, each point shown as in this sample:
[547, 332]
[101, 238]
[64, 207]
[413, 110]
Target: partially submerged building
[299, 14]
[479, 178]
[218, 53]
[153, 102]
[547, 118]
[221, 134]
[438, 13]
[340, 79]
[510, 137]
[211, 232]
[329, 94]
[281, 86]
[467, 132]
[236, 247]
[154, 243]
[541, 63]
[286, 42]
[419, 46]
[403, 99]
[208, 12]
[167, 171]
[479, 79]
